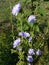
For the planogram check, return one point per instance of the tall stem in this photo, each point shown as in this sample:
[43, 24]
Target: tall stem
[12, 26]
[21, 27]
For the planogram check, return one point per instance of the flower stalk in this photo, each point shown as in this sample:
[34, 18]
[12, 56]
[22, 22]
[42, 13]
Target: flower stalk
[12, 26]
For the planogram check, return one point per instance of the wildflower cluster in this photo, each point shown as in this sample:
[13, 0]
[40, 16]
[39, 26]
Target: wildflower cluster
[31, 52]
[24, 34]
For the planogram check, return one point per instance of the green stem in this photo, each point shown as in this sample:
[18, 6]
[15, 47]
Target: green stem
[11, 22]
[21, 29]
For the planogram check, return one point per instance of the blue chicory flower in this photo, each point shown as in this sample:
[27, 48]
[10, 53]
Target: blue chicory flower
[19, 49]
[39, 52]
[31, 52]
[31, 18]
[16, 42]
[30, 39]
[16, 9]
[24, 34]
[29, 59]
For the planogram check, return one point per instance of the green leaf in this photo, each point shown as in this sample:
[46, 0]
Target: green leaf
[42, 11]
[37, 29]
[21, 55]
[20, 63]
[25, 27]
[13, 51]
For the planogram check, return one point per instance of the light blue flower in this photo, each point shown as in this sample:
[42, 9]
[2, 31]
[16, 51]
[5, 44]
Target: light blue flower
[30, 39]
[24, 34]
[21, 34]
[38, 52]
[31, 51]
[19, 49]
[16, 9]
[16, 42]
[29, 59]
[31, 18]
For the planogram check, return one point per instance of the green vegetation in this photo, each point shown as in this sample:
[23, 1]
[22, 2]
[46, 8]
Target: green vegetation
[10, 56]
